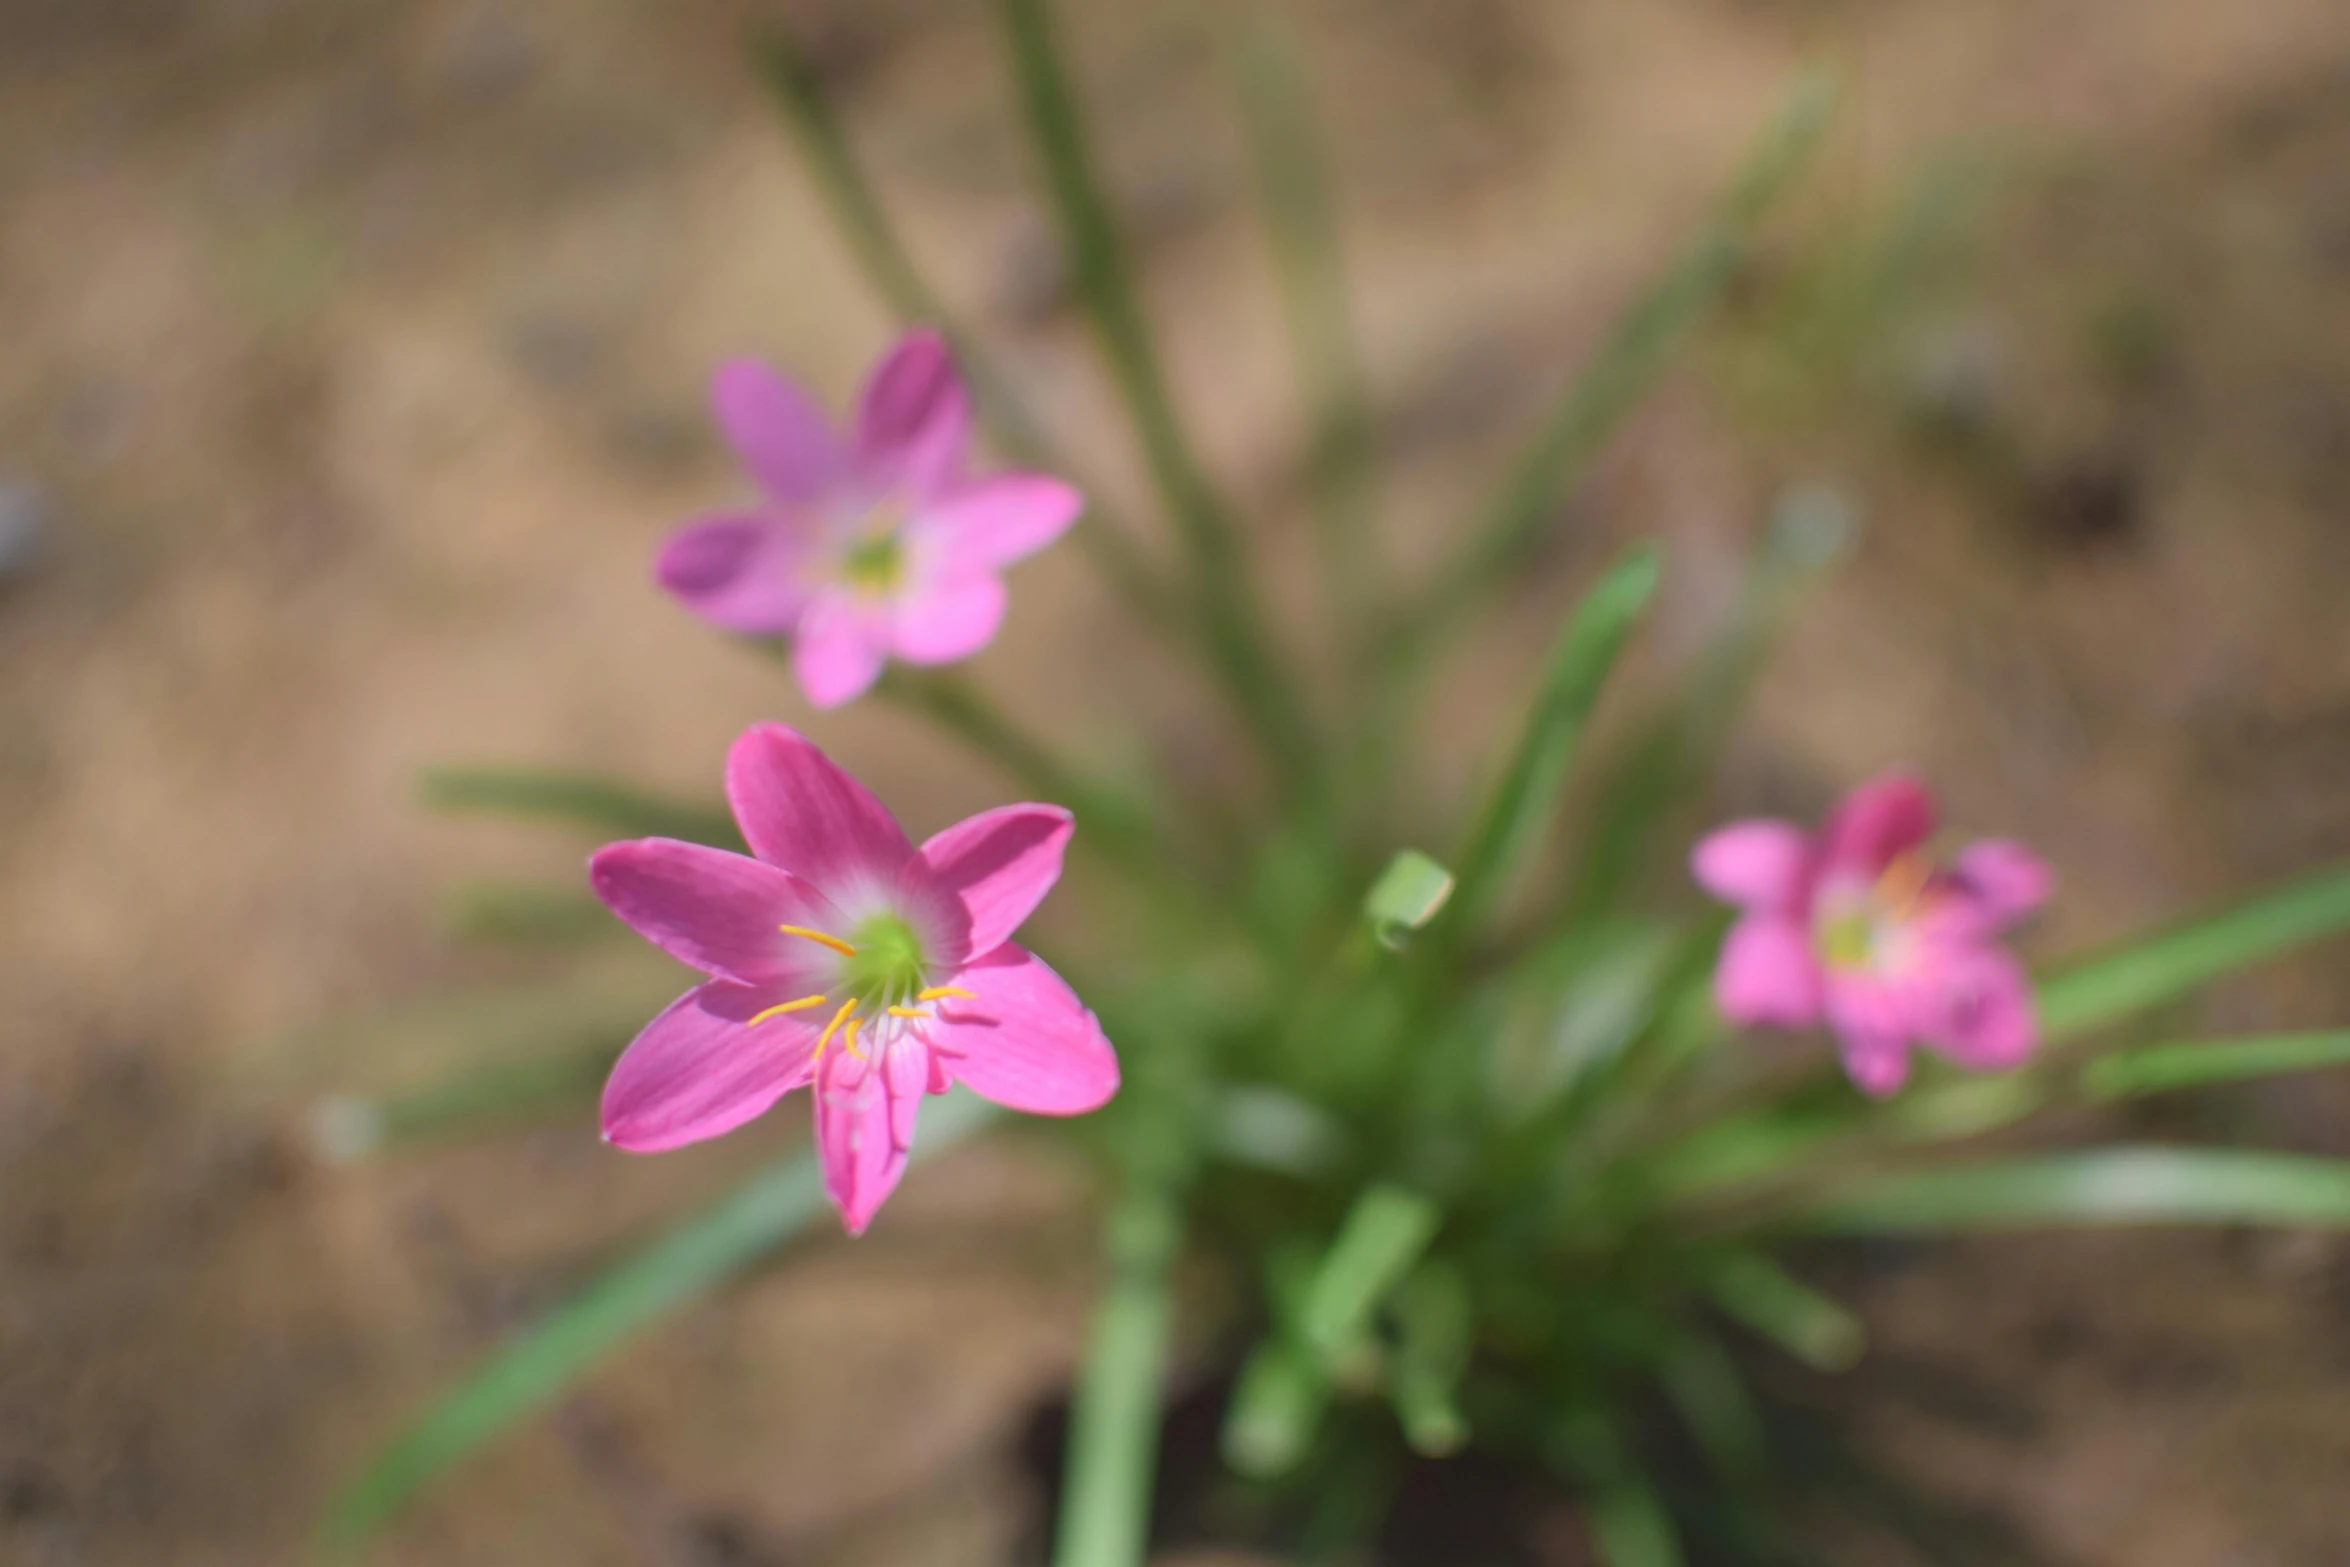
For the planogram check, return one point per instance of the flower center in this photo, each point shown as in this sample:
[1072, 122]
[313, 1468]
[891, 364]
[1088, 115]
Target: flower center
[881, 977]
[1861, 929]
[1848, 940]
[875, 563]
[884, 967]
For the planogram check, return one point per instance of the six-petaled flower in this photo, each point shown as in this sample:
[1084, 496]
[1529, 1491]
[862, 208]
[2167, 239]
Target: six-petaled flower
[868, 546]
[1861, 926]
[842, 956]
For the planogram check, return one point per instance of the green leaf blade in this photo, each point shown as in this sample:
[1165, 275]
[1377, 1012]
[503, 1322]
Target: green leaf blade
[2157, 1069]
[1293, 189]
[1752, 1289]
[2102, 1187]
[1382, 1237]
[1627, 365]
[1524, 797]
[543, 1362]
[2149, 972]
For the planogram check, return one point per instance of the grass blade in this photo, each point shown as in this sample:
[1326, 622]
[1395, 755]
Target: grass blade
[1114, 1427]
[2105, 1186]
[1230, 618]
[1437, 1333]
[1277, 1408]
[1752, 1289]
[579, 799]
[1644, 808]
[1628, 363]
[857, 212]
[2149, 971]
[1508, 829]
[2158, 1069]
[1383, 1235]
[539, 1366]
[1294, 188]
[1713, 1400]
[1629, 1522]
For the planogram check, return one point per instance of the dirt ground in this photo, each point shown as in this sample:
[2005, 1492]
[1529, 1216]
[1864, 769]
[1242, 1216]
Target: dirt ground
[353, 368]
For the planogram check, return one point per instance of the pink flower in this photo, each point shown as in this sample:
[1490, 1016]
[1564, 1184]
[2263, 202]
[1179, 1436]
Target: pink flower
[845, 957]
[1861, 926]
[865, 547]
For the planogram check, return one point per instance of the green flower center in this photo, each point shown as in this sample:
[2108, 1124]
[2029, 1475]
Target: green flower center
[886, 969]
[875, 564]
[1847, 940]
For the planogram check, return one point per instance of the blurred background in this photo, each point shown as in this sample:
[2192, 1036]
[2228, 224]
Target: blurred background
[353, 367]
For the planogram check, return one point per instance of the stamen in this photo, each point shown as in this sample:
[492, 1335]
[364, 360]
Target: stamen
[848, 1041]
[821, 937]
[940, 992]
[907, 1012]
[800, 1005]
[825, 1038]
[1904, 880]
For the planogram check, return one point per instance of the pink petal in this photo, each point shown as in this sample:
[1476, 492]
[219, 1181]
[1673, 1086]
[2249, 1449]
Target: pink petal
[949, 622]
[719, 912]
[1862, 1003]
[862, 1161]
[1878, 1064]
[992, 869]
[798, 810]
[838, 652]
[905, 1074]
[737, 572]
[778, 430]
[1768, 975]
[1980, 1011]
[697, 1071]
[992, 522]
[1876, 822]
[1755, 864]
[915, 417]
[2008, 880]
[1024, 1040]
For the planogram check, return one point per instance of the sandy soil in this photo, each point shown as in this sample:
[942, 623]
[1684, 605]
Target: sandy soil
[354, 367]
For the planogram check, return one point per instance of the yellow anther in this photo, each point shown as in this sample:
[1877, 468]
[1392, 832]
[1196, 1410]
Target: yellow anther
[822, 937]
[800, 1005]
[848, 1041]
[941, 992]
[825, 1038]
[907, 1012]
[1904, 880]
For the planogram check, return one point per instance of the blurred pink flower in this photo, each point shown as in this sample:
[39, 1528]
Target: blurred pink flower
[869, 546]
[845, 957]
[1859, 925]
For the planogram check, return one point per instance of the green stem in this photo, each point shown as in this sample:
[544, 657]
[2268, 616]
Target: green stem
[857, 212]
[1230, 618]
[1294, 190]
[1107, 818]
[1114, 1429]
[1519, 515]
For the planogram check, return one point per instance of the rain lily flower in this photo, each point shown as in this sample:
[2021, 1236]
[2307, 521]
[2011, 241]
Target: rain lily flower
[844, 957]
[866, 546]
[1860, 925]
